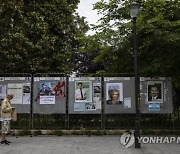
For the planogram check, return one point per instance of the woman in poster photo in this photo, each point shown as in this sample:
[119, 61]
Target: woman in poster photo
[114, 97]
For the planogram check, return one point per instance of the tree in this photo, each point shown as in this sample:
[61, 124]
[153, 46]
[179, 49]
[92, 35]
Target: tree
[159, 39]
[40, 36]
[158, 29]
[89, 48]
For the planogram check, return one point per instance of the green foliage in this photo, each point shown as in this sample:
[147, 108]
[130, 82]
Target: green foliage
[159, 40]
[58, 132]
[55, 121]
[88, 50]
[160, 132]
[24, 132]
[39, 36]
[158, 36]
[37, 132]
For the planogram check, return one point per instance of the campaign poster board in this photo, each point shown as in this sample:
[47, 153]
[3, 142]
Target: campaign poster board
[84, 95]
[156, 95]
[49, 95]
[119, 95]
[20, 87]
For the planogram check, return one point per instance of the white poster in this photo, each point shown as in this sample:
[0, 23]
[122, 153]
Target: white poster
[90, 106]
[26, 93]
[97, 95]
[2, 91]
[127, 103]
[98, 105]
[26, 98]
[47, 99]
[17, 90]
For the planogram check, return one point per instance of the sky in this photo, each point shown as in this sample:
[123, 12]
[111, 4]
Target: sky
[85, 9]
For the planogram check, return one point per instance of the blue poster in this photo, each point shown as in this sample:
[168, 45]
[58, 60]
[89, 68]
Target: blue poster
[80, 106]
[155, 106]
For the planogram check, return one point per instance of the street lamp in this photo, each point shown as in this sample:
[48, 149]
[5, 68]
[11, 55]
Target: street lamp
[134, 10]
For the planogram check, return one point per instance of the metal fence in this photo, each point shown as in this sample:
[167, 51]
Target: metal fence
[95, 122]
[98, 121]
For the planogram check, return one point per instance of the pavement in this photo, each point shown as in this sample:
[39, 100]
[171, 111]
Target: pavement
[80, 145]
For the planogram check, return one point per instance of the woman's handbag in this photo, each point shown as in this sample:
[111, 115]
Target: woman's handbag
[14, 115]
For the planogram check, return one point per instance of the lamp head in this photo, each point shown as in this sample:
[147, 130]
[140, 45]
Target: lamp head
[134, 9]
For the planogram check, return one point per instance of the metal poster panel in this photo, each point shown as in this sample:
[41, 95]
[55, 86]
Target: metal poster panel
[156, 95]
[49, 95]
[119, 95]
[84, 95]
[20, 87]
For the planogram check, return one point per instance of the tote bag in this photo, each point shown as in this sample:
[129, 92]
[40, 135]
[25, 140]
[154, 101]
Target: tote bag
[14, 115]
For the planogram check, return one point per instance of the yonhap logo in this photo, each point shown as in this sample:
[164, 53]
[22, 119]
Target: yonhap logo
[127, 139]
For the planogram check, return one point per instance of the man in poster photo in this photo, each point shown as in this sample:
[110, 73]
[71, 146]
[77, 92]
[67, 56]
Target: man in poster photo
[45, 90]
[80, 93]
[114, 97]
[154, 93]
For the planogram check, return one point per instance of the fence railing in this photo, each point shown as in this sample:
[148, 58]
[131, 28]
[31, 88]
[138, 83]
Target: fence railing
[94, 122]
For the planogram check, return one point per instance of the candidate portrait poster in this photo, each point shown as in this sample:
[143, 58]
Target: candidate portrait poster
[154, 91]
[46, 94]
[83, 91]
[110, 88]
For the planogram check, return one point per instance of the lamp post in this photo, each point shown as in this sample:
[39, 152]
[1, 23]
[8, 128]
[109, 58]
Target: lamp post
[134, 10]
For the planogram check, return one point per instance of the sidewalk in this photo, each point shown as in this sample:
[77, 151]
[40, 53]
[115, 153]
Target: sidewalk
[80, 145]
